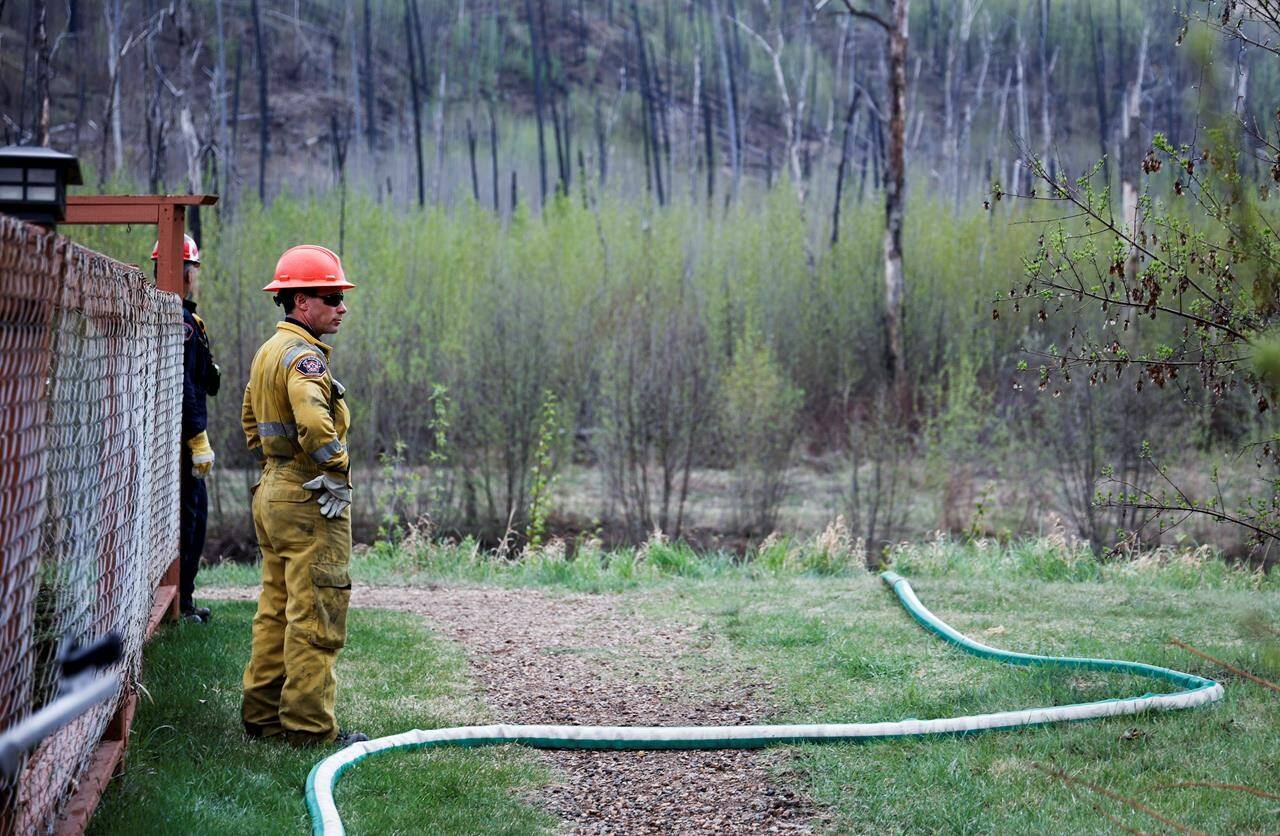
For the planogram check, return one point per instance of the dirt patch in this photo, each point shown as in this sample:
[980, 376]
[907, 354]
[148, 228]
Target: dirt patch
[586, 660]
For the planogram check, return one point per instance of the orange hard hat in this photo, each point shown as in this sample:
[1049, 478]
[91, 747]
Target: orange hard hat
[190, 252]
[309, 265]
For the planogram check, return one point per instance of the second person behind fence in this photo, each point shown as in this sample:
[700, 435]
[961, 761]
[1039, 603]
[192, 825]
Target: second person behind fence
[296, 419]
[200, 379]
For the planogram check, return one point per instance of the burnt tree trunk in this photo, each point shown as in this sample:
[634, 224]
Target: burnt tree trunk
[1132, 144]
[1046, 99]
[233, 168]
[648, 96]
[369, 128]
[536, 56]
[493, 159]
[264, 110]
[114, 16]
[843, 167]
[1099, 90]
[728, 92]
[895, 193]
[471, 152]
[562, 152]
[42, 73]
[695, 104]
[415, 101]
[339, 137]
[708, 131]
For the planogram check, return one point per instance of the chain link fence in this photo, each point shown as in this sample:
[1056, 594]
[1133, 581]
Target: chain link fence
[90, 412]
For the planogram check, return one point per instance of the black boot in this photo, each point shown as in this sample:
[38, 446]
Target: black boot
[346, 738]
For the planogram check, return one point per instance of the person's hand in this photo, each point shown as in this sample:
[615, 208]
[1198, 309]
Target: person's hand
[201, 455]
[335, 494]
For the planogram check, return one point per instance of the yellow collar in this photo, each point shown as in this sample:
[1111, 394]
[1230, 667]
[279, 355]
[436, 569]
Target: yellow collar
[298, 331]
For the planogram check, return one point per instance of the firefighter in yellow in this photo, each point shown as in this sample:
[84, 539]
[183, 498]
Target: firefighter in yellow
[295, 420]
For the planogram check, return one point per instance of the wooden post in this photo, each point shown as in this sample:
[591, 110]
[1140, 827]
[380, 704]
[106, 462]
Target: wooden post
[169, 258]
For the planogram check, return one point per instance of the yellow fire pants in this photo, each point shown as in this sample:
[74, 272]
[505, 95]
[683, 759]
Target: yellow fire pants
[301, 621]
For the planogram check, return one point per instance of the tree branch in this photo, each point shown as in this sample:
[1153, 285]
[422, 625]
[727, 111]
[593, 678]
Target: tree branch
[865, 15]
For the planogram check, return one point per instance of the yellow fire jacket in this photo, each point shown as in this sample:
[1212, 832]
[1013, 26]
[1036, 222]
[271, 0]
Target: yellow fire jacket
[293, 407]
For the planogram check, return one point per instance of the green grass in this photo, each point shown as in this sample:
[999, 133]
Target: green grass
[833, 645]
[843, 650]
[831, 553]
[591, 570]
[192, 770]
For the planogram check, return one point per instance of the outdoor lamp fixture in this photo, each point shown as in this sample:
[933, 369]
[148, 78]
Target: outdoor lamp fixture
[33, 183]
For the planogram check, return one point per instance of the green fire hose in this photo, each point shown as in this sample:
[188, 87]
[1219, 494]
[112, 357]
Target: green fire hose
[1195, 691]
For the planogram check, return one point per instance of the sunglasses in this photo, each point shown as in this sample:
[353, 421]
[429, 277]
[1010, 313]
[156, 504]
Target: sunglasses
[333, 300]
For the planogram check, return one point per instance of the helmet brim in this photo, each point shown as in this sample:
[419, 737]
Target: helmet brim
[337, 284]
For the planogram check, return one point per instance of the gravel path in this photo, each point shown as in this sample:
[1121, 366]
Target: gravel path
[583, 660]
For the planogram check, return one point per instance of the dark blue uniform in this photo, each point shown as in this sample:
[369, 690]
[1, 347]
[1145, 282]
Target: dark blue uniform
[200, 378]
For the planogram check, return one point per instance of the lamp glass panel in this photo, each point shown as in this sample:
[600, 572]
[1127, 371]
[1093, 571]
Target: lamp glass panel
[10, 193]
[42, 194]
[10, 175]
[42, 175]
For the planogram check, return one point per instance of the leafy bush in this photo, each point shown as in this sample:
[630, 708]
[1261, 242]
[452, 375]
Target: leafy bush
[759, 408]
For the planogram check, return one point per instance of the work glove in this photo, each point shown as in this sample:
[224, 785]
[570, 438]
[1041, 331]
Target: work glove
[201, 455]
[335, 494]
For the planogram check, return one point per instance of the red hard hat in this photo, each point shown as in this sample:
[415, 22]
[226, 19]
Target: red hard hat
[309, 265]
[190, 252]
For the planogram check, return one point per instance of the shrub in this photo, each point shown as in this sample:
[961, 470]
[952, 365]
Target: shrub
[759, 408]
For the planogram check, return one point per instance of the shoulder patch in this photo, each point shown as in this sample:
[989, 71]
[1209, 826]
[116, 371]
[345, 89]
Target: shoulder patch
[311, 366]
[187, 331]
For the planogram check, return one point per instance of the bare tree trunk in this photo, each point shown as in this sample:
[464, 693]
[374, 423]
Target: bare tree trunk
[950, 139]
[562, 153]
[695, 103]
[895, 192]
[493, 158]
[739, 78]
[369, 125]
[962, 181]
[471, 152]
[730, 102]
[233, 170]
[438, 126]
[648, 95]
[709, 137]
[354, 82]
[997, 130]
[77, 38]
[792, 115]
[264, 109]
[1046, 70]
[113, 11]
[536, 56]
[189, 47]
[602, 149]
[666, 90]
[339, 137]
[1131, 150]
[1024, 129]
[26, 75]
[154, 121]
[43, 73]
[843, 167]
[836, 78]
[567, 131]
[220, 95]
[412, 45]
